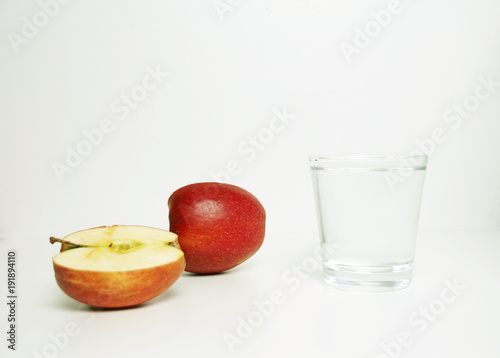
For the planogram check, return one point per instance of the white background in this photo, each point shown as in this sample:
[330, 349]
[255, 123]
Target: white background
[225, 79]
[229, 71]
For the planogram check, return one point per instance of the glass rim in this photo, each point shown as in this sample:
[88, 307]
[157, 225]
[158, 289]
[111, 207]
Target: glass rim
[363, 157]
[355, 162]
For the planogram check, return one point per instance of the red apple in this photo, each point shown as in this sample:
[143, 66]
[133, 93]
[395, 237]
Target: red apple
[117, 266]
[219, 225]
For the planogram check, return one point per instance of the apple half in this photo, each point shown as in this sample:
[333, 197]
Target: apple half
[117, 266]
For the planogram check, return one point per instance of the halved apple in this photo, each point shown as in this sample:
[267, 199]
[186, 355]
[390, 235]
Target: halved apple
[117, 266]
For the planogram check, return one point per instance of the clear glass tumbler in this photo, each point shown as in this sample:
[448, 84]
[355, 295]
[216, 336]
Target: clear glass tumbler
[368, 210]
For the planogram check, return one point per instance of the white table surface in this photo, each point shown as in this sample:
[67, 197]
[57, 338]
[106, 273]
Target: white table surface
[198, 313]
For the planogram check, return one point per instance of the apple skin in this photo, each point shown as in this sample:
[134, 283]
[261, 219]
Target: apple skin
[117, 289]
[219, 225]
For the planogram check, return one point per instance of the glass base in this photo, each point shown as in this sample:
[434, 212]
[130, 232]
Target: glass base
[363, 278]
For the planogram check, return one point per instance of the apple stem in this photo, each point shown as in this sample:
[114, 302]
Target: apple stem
[55, 239]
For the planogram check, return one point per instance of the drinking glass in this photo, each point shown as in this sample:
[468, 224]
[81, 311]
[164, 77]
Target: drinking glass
[367, 210]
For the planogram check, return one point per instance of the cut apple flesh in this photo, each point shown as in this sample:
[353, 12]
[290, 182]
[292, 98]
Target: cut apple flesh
[105, 258]
[106, 235]
[118, 266]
